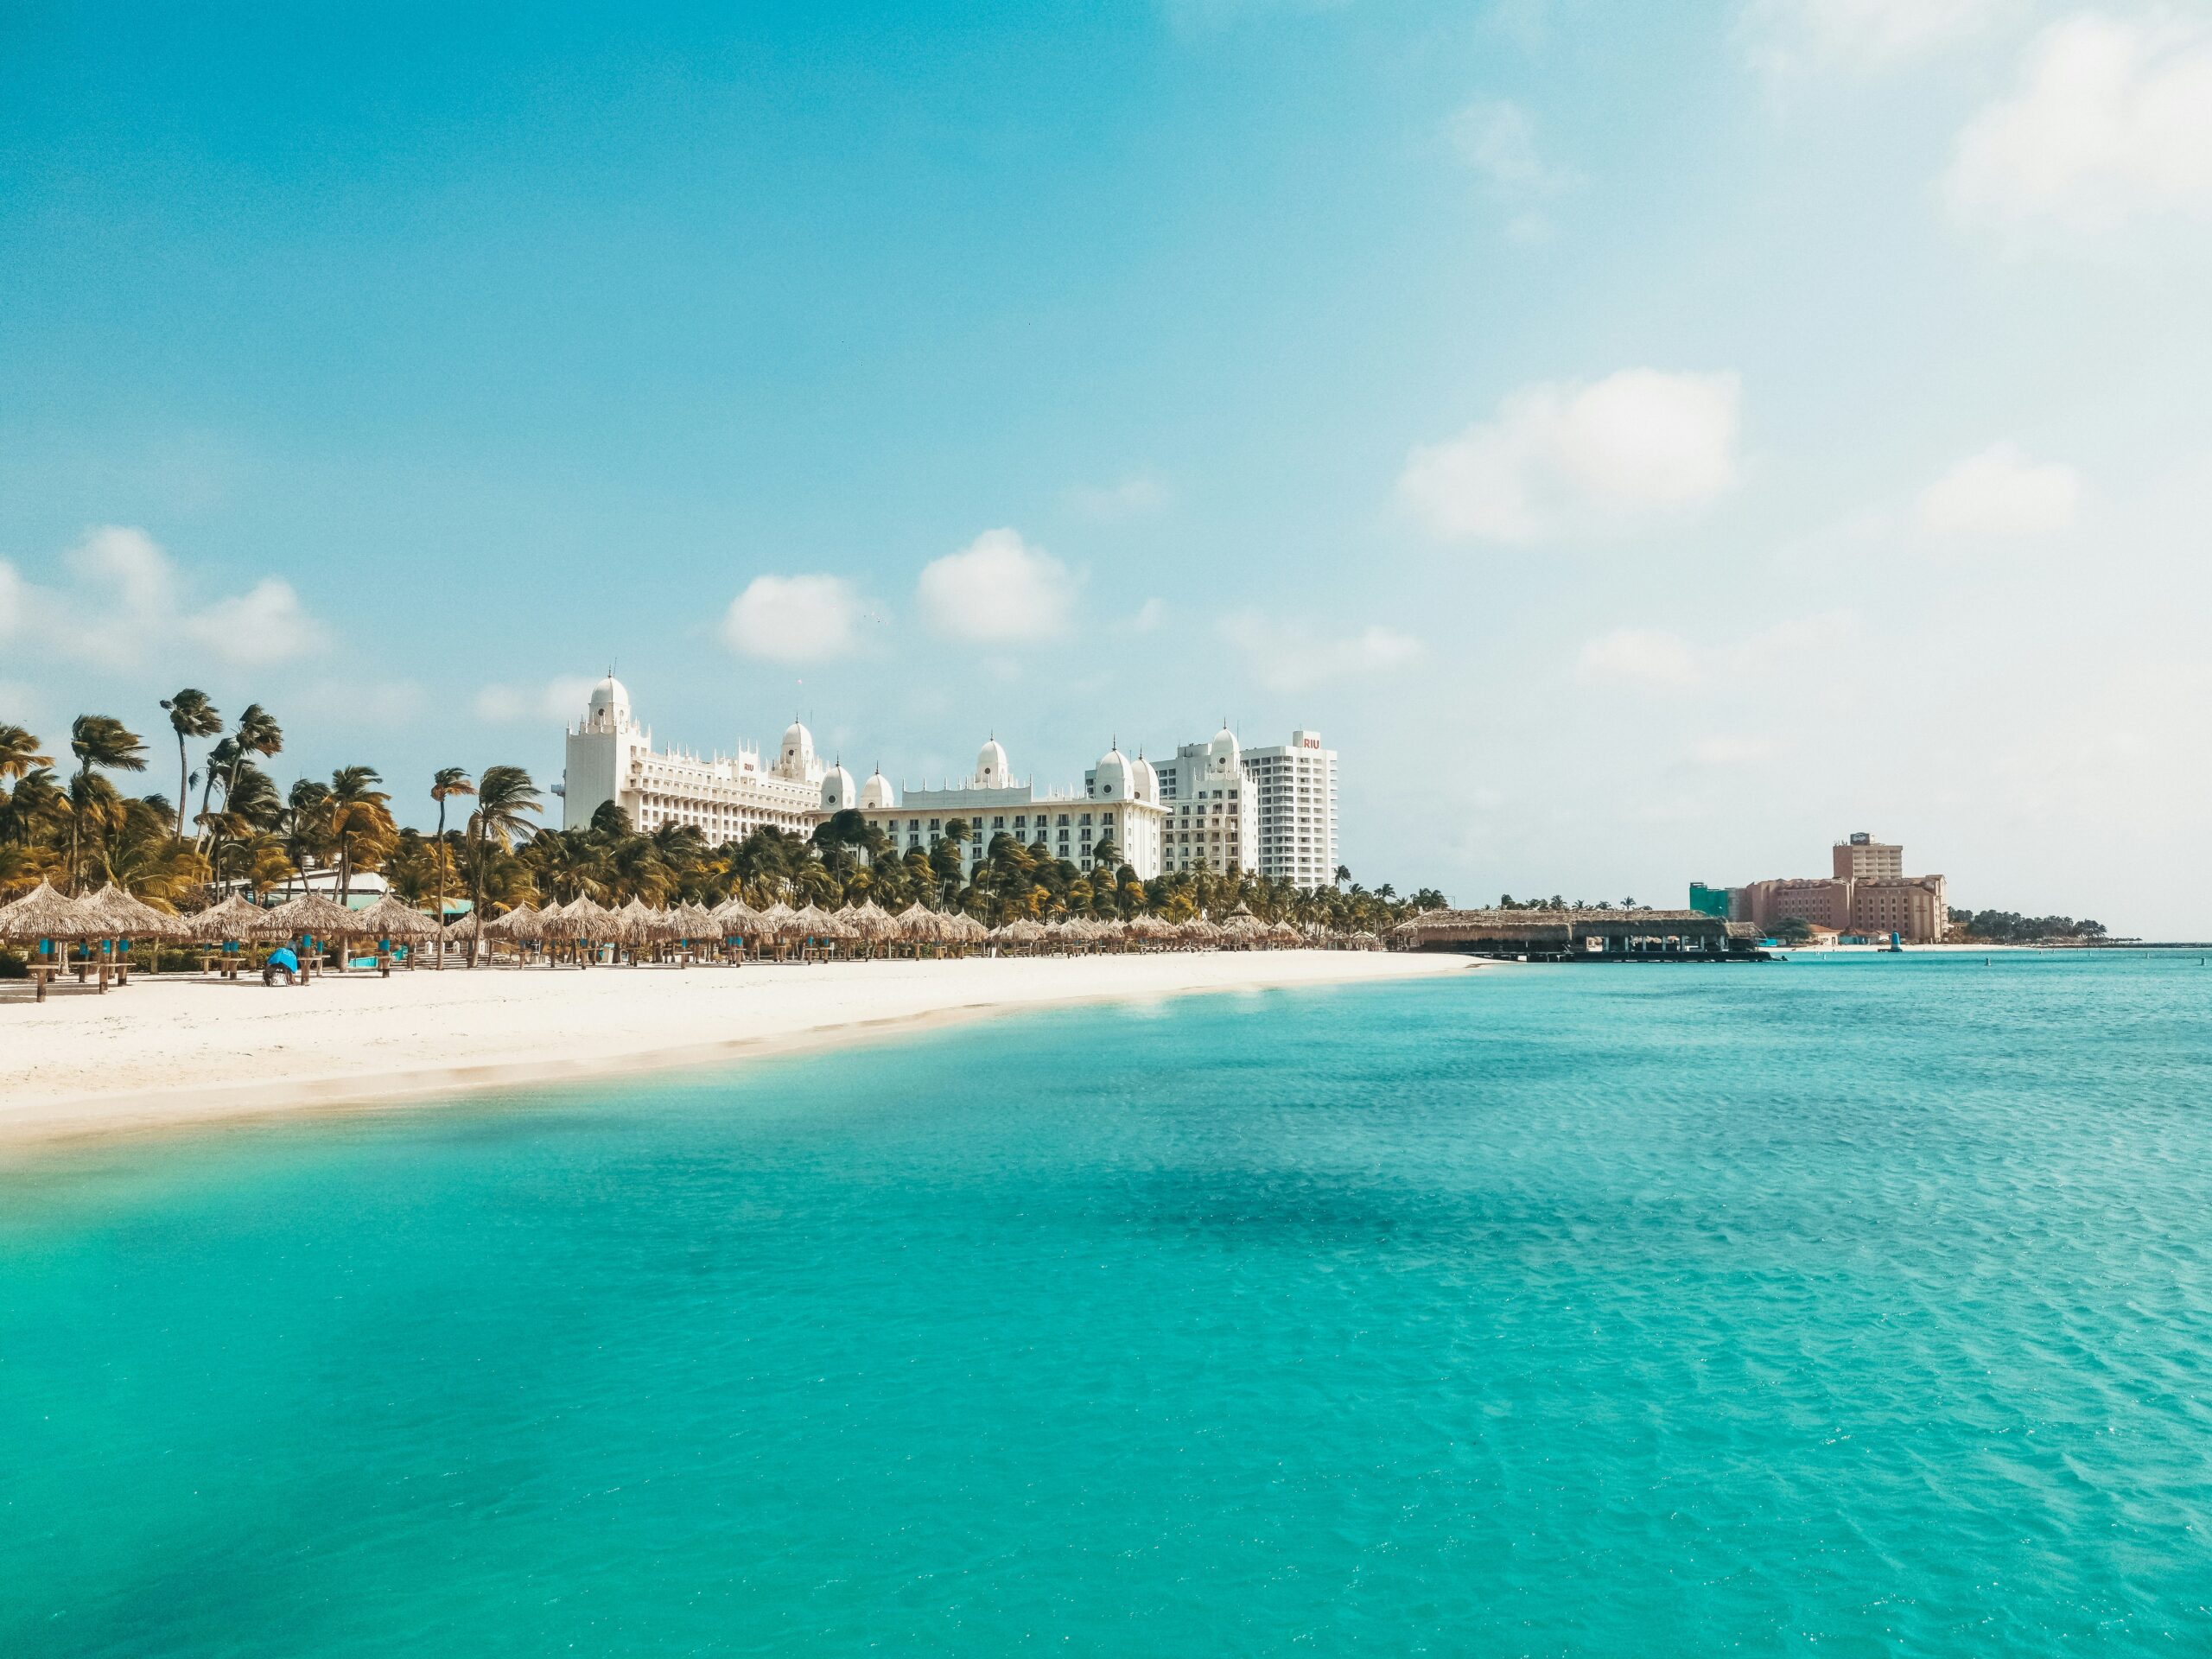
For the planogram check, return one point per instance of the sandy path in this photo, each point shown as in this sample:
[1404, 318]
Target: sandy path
[171, 1051]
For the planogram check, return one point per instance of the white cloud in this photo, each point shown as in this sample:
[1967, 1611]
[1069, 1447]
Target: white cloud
[1641, 656]
[1149, 615]
[1562, 459]
[562, 698]
[1292, 656]
[792, 619]
[128, 599]
[1134, 497]
[265, 623]
[2001, 493]
[1861, 34]
[11, 599]
[2112, 121]
[997, 590]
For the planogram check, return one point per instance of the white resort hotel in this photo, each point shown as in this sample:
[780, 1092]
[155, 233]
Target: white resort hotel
[1216, 806]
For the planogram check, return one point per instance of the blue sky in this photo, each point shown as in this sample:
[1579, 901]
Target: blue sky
[1648, 442]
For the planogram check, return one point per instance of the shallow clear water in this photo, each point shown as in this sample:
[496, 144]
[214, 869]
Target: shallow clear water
[1861, 1307]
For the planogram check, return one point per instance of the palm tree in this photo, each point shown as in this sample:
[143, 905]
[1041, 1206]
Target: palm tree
[445, 783]
[191, 715]
[100, 740]
[19, 753]
[257, 733]
[502, 795]
[360, 824]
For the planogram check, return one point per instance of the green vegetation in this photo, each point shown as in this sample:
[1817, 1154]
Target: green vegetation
[2010, 927]
[248, 834]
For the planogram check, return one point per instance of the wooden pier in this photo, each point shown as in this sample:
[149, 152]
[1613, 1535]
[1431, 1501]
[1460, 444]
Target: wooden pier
[1581, 935]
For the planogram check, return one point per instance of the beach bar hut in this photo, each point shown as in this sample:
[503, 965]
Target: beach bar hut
[227, 925]
[388, 920]
[312, 919]
[47, 922]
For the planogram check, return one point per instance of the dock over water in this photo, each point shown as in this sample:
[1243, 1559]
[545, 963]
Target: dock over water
[1581, 935]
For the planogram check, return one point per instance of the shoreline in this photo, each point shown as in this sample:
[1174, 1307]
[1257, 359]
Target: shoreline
[180, 1054]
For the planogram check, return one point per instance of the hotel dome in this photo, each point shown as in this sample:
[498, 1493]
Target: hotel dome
[876, 792]
[839, 793]
[992, 771]
[796, 759]
[1114, 778]
[1144, 782]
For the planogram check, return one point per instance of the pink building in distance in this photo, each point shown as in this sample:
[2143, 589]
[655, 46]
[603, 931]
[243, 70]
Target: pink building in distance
[1867, 893]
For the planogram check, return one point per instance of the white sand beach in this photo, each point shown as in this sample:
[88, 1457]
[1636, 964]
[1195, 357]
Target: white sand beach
[168, 1052]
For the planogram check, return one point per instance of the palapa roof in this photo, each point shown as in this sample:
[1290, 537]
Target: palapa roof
[872, 921]
[236, 917]
[919, 923]
[134, 919]
[45, 914]
[735, 916]
[391, 918]
[1024, 932]
[521, 926]
[314, 916]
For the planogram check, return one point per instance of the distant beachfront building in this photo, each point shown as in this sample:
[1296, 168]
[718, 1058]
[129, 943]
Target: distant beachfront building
[1295, 784]
[1868, 893]
[1212, 806]
[1120, 803]
[1271, 810]
[725, 797]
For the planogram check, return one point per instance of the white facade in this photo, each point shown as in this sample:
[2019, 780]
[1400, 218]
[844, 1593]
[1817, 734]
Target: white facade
[1210, 804]
[1296, 786]
[1120, 801]
[610, 757]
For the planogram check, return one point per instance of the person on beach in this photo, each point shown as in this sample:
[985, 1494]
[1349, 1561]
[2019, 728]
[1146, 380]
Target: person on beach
[281, 960]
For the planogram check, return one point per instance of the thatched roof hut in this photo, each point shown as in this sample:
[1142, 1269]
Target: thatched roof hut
[780, 921]
[815, 923]
[918, 924]
[237, 918]
[44, 913]
[521, 926]
[134, 919]
[873, 922]
[389, 918]
[313, 916]
[734, 918]
[1024, 931]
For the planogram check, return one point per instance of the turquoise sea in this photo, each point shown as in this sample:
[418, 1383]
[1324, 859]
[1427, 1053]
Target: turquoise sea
[1848, 1307]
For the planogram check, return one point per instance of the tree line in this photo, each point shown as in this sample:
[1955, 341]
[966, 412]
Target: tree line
[2010, 927]
[230, 827]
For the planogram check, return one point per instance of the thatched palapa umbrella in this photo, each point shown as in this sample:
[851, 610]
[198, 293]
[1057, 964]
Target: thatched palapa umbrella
[229, 922]
[45, 915]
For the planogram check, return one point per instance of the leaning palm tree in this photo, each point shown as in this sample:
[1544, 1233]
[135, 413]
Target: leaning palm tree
[360, 821]
[504, 794]
[257, 733]
[445, 783]
[19, 754]
[100, 740]
[191, 715]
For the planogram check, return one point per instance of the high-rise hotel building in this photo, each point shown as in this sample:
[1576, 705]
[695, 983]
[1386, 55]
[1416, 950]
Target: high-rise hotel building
[1295, 785]
[1272, 810]
[1215, 806]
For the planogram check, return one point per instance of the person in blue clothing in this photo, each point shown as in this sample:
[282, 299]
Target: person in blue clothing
[281, 960]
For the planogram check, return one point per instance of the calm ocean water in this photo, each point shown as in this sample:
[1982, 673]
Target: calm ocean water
[1862, 1308]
